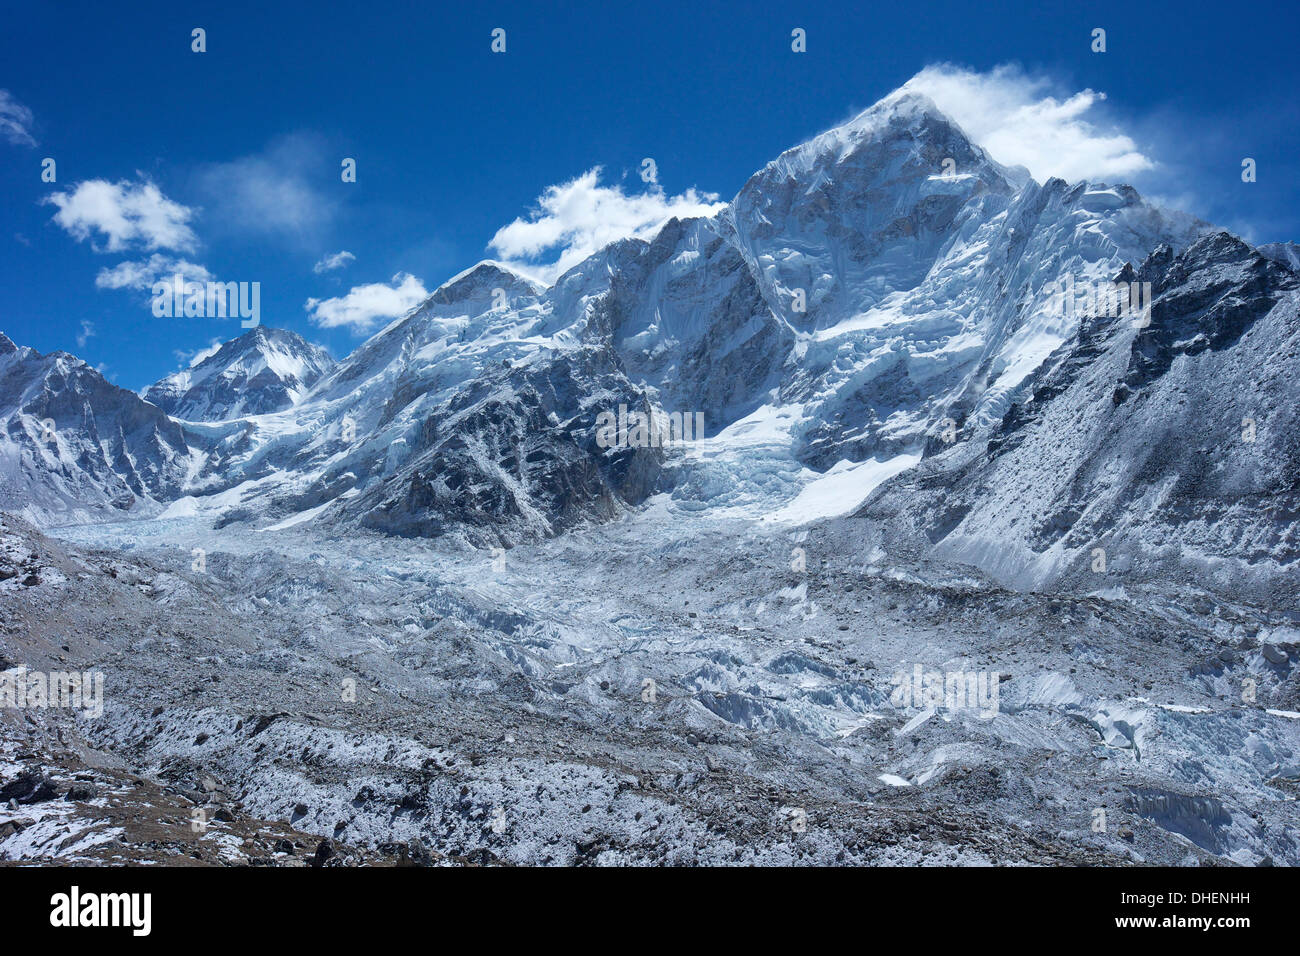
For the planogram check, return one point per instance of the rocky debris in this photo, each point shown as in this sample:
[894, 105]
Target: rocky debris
[117, 818]
[324, 852]
[459, 736]
[29, 787]
[1275, 655]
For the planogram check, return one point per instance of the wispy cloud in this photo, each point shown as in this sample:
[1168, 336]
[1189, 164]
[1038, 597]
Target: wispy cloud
[272, 192]
[580, 217]
[16, 121]
[124, 214]
[365, 305]
[335, 260]
[86, 334]
[1026, 120]
[188, 359]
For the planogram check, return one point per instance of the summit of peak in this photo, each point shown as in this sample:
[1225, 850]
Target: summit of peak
[257, 340]
[906, 118]
[902, 110]
[482, 277]
[906, 101]
[263, 370]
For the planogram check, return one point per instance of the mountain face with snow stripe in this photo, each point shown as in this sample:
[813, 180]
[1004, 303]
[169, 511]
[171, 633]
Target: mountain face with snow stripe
[74, 447]
[923, 267]
[465, 416]
[883, 283]
[264, 370]
[1167, 448]
[865, 210]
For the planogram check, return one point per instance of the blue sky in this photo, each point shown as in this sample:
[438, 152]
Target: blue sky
[229, 160]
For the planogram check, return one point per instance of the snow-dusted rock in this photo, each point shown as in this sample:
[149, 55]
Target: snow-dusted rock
[74, 447]
[264, 370]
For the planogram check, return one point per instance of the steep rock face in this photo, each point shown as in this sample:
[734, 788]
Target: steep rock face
[688, 320]
[463, 417]
[913, 273]
[864, 210]
[1168, 448]
[73, 446]
[264, 370]
[514, 456]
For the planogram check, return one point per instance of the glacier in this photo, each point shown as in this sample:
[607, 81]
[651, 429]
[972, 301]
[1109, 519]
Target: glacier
[410, 600]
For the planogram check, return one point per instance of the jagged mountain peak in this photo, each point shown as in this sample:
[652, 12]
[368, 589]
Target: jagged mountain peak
[905, 125]
[862, 282]
[73, 446]
[57, 360]
[1215, 259]
[267, 333]
[864, 210]
[860, 292]
[263, 370]
[481, 280]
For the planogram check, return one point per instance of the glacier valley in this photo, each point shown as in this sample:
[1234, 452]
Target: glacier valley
[437, 602]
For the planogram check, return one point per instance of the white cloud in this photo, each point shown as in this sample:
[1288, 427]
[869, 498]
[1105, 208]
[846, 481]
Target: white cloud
[188, 359]
[129, 215]
[86, 334]
[335, 260]
[580, 217]
[142, 274]
[125, 213]
[1020, 122]
[364, 305]
[271, 192]
[203, 355]
[15, 121]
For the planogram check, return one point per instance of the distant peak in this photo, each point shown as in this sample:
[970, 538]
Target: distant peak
[263, 370]
[263, 335]
[266, 333]
[480, 278]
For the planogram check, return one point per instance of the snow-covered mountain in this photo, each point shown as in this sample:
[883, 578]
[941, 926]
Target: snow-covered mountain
[1038, 440]
[878, 286]
[264, 370]
[75, 447]
[927, 271]
[1173, 447]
